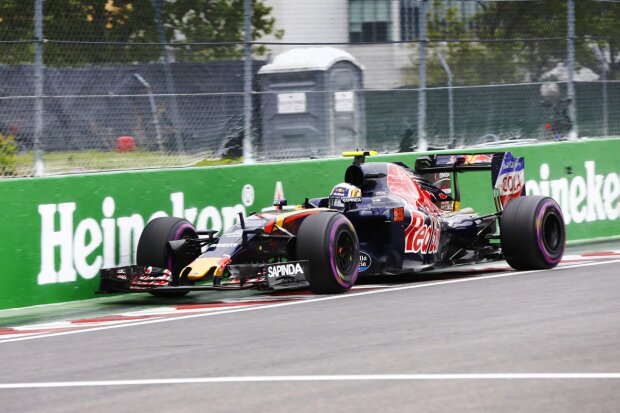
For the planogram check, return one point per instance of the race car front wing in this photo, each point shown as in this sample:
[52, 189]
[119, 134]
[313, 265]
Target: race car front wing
[270, 277]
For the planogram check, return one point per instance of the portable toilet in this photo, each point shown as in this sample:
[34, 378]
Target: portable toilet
[312, 103]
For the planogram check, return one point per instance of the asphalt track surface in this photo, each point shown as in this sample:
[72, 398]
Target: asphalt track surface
[490, 341]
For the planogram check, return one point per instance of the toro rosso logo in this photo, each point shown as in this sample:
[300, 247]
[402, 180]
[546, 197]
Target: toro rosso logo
[284, 270]
[421, 237]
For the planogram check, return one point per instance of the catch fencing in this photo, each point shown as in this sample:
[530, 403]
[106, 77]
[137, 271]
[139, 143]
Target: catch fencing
[122, 84]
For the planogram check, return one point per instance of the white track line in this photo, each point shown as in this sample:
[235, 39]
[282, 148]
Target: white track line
[312, 300]
[337, 377]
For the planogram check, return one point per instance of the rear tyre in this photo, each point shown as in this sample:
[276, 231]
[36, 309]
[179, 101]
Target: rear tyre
[153, 248]
[532, 233]
[329, 242]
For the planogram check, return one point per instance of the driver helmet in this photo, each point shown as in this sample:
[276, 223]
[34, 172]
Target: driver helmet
[342, 193]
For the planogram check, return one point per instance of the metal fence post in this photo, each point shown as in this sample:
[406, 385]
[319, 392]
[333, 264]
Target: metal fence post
[38, 167]
[570, 89]
[247, 82]
[149, 91]
[422, 142]
[601, 58]
[443, 62]
[168, 77]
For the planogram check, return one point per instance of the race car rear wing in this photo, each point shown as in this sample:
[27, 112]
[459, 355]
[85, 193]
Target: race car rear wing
[507, 173]
[456, 162]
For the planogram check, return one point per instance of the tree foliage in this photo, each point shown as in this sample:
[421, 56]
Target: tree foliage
[520, 40]
[596, 22]
[129, 21]
[470, 62]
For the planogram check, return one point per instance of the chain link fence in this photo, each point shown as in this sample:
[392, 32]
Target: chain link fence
[91, 85]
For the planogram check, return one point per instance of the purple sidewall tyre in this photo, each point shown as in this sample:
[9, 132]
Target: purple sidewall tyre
[532, 233]
[329, 242]
[153, 248]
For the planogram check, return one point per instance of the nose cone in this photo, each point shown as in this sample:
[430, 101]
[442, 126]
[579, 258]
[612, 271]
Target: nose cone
[201, 267]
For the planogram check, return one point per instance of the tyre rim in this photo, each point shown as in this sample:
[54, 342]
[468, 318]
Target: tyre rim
[552, 233]
[184, 231]
[345, 254]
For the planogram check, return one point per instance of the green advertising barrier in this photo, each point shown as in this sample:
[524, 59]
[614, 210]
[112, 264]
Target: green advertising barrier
[59, 231]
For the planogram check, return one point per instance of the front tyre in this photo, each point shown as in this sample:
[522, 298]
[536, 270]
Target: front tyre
[532, 233]
[154, 250]
[329, 242]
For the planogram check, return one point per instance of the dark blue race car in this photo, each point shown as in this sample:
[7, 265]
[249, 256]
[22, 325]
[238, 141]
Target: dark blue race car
[385, 218]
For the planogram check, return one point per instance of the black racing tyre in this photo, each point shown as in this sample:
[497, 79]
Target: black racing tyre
[329, 242]
[153, 248]
[532, 233]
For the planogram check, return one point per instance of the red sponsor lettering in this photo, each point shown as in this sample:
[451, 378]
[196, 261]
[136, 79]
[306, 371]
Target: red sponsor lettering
[511, 184]
[421, 237]
[417, 222]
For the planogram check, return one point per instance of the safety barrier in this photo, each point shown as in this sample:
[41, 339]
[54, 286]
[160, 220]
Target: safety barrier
[59, 231]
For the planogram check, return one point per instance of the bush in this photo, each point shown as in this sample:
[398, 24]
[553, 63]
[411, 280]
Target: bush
[8, 155]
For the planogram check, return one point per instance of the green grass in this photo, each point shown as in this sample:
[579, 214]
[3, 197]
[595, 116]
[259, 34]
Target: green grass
[91, 161]
[213, 162]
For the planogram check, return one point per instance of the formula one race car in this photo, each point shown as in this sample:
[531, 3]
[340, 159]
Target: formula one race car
[384, 219]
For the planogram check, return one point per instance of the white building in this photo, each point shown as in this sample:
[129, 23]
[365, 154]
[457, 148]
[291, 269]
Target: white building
[353, 25]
